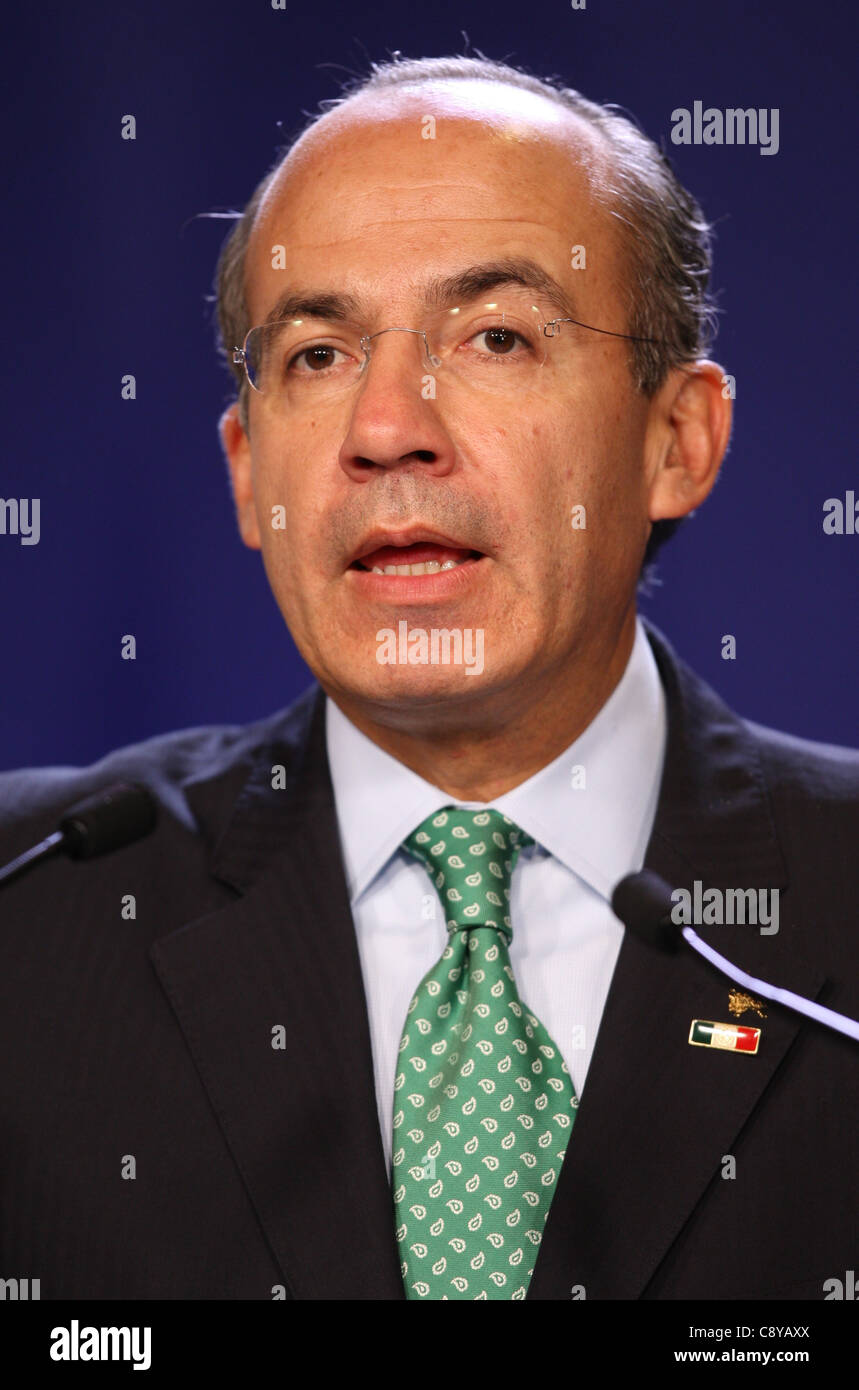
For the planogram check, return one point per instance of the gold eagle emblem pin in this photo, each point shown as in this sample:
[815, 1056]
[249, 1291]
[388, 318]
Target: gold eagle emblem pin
[740, 1003]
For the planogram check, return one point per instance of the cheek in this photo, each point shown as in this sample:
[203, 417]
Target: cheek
[580, 490]
[561, 466]
[282, 496]
[524, 464]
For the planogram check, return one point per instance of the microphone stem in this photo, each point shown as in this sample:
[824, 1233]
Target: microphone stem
[52, 845]
[797, 1002]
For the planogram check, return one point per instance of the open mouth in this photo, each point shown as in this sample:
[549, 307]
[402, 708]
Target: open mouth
[422, 557]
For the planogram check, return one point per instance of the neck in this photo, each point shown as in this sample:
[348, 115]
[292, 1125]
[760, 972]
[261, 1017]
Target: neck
[480, 755]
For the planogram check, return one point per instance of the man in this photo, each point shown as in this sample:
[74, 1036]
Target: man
[357, 1020]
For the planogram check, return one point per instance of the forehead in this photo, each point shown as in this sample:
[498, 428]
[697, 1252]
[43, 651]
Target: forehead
[433, 177]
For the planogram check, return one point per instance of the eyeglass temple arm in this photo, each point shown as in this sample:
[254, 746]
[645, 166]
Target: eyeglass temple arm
[549, 330]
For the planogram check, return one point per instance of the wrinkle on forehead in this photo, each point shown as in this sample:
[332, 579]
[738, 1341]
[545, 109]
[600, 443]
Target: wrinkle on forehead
[405, 222]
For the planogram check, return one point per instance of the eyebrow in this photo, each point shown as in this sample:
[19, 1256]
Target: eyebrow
[439, 292]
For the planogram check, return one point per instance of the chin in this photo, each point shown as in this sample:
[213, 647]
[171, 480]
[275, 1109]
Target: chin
[409, 686]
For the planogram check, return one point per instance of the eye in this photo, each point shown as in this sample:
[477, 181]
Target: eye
[317, 358]
[499, 341]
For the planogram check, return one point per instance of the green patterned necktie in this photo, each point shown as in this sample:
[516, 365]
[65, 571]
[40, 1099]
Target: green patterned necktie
[483, 1101]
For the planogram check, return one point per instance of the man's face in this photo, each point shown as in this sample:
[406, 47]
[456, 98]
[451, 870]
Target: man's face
[369, 207]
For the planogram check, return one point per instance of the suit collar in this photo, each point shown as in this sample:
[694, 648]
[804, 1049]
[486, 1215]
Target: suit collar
[714, 818]
[285, 777]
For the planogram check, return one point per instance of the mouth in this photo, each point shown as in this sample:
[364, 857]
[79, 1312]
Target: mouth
[409, 554]
[416, 559]
[415, 567]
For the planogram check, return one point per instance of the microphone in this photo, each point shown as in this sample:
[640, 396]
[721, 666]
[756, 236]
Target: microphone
[104, 821]
[643, 902]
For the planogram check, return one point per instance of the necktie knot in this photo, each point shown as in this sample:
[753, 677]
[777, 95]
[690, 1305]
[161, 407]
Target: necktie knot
[470, 856]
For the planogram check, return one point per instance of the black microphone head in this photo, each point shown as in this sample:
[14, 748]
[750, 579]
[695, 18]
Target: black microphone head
[108, 819]
[643, 903]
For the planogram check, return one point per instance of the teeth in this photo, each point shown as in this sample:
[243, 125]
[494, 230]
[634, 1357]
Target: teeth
[430, 567]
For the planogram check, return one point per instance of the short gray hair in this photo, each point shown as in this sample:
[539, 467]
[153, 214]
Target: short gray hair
[666, 239]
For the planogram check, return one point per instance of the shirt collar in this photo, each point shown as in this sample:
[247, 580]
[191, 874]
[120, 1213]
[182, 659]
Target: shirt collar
[599, 830]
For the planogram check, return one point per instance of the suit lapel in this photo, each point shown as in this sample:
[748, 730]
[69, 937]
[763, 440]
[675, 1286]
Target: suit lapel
[657, 1114]
[300, 1119]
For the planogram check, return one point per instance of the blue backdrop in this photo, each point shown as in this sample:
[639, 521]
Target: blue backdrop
[107, 268]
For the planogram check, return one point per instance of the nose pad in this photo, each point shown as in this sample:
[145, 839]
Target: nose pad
[429, 356]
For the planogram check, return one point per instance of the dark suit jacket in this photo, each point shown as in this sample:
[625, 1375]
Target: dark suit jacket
[261, 1168]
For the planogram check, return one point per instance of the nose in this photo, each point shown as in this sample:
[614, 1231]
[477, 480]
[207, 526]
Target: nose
[395, 422]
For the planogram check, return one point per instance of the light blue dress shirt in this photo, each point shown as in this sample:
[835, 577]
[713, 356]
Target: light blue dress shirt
[566, 939]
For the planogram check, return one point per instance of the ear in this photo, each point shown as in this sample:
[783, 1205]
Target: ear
[237, 449]
[689, 428]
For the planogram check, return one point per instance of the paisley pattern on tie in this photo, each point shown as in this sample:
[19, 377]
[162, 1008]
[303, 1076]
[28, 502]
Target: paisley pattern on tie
[483, 1102]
